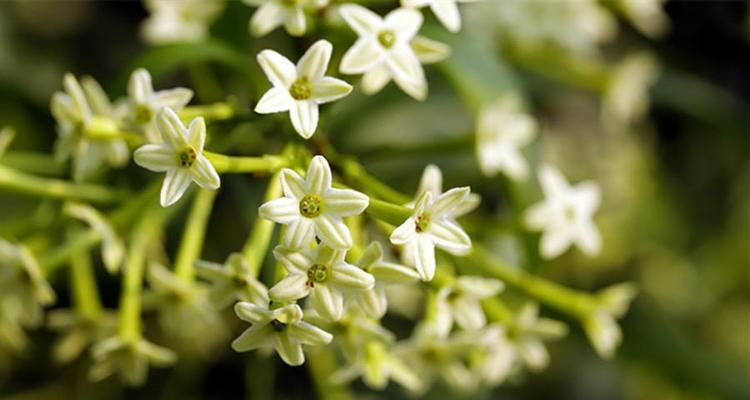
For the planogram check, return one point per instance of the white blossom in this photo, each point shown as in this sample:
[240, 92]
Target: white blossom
[432, 181]
[302, 88]
[232, 281]
[601, 325]
[177, 21]
[274, 13]
[377, 365]
[446, 11]
[312, 207]
[180, 156]
[144, 102]
[626, 97]
[461, 302]
[565, 215]
[129, 358]
[383, 50]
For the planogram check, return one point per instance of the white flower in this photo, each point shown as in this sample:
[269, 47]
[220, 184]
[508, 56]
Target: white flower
[502, 130]
[129, 357]
[432, 181]
[144, 102]
[113, 248]
[24, 289]
[180, 156]
[282, 329]
[446, 11]
[274, 13]
[498, 357]
[377, 365]
[383, 51]
[323, 275]
[601, 326]
[431, 225]
[175, 21]
[460, 302]
[565, 215]
[647, 16]
[232, 281]
[373, 301]
[302, 88]
[312, 207]
[626, 98]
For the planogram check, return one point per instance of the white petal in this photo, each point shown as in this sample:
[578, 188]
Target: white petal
[352, 277]
[282, 210]
[175, 184]
[304, 116]
[416, 89]
[197, 134]
[429, 51]
[393, 273]
[553, 182]
[344, 202]
[448, 201]
[587, 197]
[292, 184]
[327, 302]
[73, 88]
[538, 216]
[276, 99]
[447, 12]
[405, 232]
[404, 64]
[364, 55]
[279, 70]
[154, 157]
[554, 243]
[139, 86]
[448, 235]
[292, 287]
[404, 22]
[432, 180]
[252, 313]
[176, 98]
[314, 62]
[360, 19]
[295, 23]
[468, 205]
[424, 257]
[308, 334]
[269, 16]
[373, 302]
[204, 173]
[253, 338]
[478, 287]
[534, 354]
[468, 313]
[295, 261]
[289, 350]
[171, 128]
[327, 89]
[589, 240]
[375, 79]
[300, 233]
[333, 232]
[318, 179]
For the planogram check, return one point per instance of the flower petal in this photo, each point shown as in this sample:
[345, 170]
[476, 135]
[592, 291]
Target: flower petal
[404, 233]
[176, 98]
[554, 184]
[300, 233]
[327, 302]
[276, 99]
[447, 13]
[266, 18]
[293, 287]
[416, 89]
[252, 313]
[349, 276]
[279, 70]
[373, 302]
[449, 236]
[304, 116]
[588, 239]
[393, 273]
[204, 174]
[254, 337]
[175, 184]
[429, 51]
[155, 157]
[139, 86]
[327, 89]
[424, 251]
[587, 197]
[344, 202]
[318, 179]
[468, 313]
[375, 79]
[309, 334]
[364, 55]
[289, 350]
[431, 181]
[171, 128]
[554, 243]
[360, 19]
[295, 261]
[478, 287]
[295, 23]
[282, 210]
[197, 134]
[292, 184]
[448, 201]
[314, 62]
[333, 232]
[405, 22]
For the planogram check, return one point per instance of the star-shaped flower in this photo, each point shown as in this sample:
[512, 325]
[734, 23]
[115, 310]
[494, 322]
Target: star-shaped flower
[312, 207]
[281, 328]
[565, 215]
[179, 21]
[302, 88]
[231, 282]
[323, 275]
[180, 156]
[129, 357]
[77, 332]
[460, 302]
[432, 224]
[383, 51]
[377, 365]
[446, 11]
[144, 102]
[23, 286]
[527, 331]
[601, 324]
[502, 130]
[432, 181]
[274, 13]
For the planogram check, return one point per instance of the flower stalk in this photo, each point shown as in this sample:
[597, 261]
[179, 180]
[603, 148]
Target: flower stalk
[16, 181]
[229, 164]
[194, 234]
[257, 243]
[83, 282]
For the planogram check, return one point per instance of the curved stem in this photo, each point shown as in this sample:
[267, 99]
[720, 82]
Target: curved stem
[194, 234]
[257, 243]
[229, 164]
[16, 181]
[83, 282]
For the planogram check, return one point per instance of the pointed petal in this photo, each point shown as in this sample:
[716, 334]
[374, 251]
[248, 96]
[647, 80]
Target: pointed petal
[327, 89]
[175, 184]
[429, 51]
[279, 70]
[554, 184]
[587, 197]
[333, 232]
[171, 129]
[393, 273]
[295, 23]
[416, 89]
[404, 65]
[424, 252]
[404, 233]
[155, 157]
[304, 116]
[308, 334]
[432, 181]
[479, 288]
[405, 23]
[554, 243]
[276, 99]
[538, 216]
[252, 313]
[295, 261]
[254, 337]
[176, 98]
[470, 204]
[534, 354]
[375, 79]
[447, 13]
[345, 202]
[204, 174]
[360, 19]
[373, 302]
[300, 233]
[468, 313]
[282, 210]
[364, 55]
[292, 287]
[318, 179]
[292, 184]
[448, 201]
[266, 18]
[327, 302]
[289, 350]
[288, 314]
[372, 254]
[139, 86]
[314, 62]
[351, 277]
[197, 134]
[589, 240]
[449, 236]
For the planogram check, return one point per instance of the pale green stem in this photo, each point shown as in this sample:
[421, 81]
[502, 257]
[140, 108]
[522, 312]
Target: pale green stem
[194, 234]
[355, 172]
[215, 111]
[393, 214]
[84, 288]
[16, 181]
[229, 164]
[322, 363]
[34, 163]
[257, 243]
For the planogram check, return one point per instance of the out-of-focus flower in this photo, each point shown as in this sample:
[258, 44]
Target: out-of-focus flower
[497, 357]
[502, 130]
[373, 301]
[23, 290]
[446, 11]
[432, 181]
[144, 102]
[312, 207]
[7, 134]
[565, 215]
[377, 365]
[129, 358]
[302, 88]
[383, 51]
[281, 328]
[177, 21]
[601, 325]
[232, 281]
[460, 302]
[432, 224]
[529, 331]
[113, 248]
[77, 332]
[647, 16]
[274, 13]
[323, 275]
[85, 120]
[180, 156]
[352, 332]
[429, 51]
[626, 98]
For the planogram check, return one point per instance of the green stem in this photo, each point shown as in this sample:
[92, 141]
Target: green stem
[83, 282]
[20, 182]
[356, 173]
[229, 164]
[257, 243]
[33, 163]
[214, 111]
[322, 363]
[393, 214]
[194, 234]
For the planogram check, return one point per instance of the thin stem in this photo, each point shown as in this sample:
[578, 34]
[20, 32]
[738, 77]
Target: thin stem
[193, 234]
[84, 288]
[34, 163]
[393, 214]
[20, 182]
[228, 164]
[356, 173]
[215, 111]
[322, 363]
[257, 243]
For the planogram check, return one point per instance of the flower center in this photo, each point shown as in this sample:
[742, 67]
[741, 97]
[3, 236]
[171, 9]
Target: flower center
[569, 212]
[187, 157]
[311, 206]
[387, 39]
[277, 325]
[421, 223]
[301, 89]
[316, 274]
[143, 114]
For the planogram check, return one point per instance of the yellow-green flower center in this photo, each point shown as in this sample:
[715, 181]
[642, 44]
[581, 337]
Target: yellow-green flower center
[143, 114]
[421, 223]
[387, 39]
[316, 274]
[187, 157]
[311, 206]
[277, 325]
[301, 89]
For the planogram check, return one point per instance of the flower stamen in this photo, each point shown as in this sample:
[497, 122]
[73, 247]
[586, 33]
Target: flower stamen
[421, 223]
[301, 89]
[386, 39]
[187, 157]
[311, 206]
